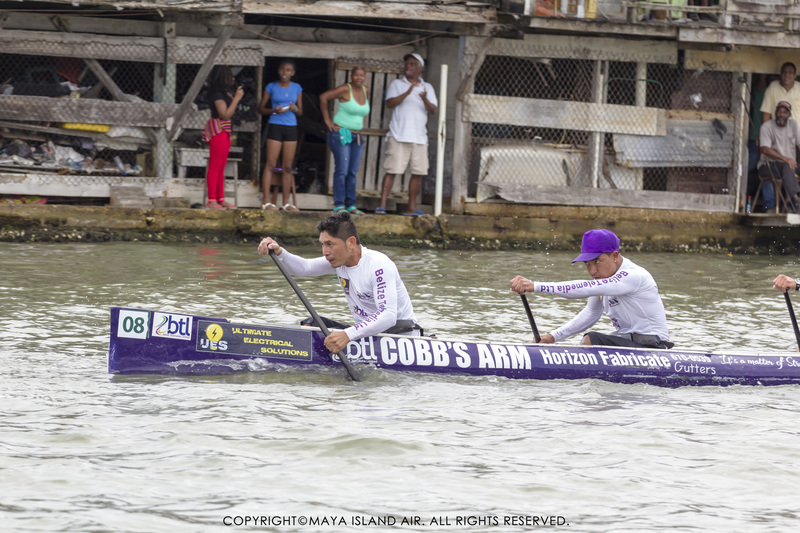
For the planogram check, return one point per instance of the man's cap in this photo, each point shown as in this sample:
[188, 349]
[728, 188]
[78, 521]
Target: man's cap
[415, 56]
[784, 103]
[596, 242]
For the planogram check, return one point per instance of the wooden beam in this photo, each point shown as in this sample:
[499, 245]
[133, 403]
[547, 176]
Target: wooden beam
[198, 82]
[583, 26]
[590, 48]
[722, 36]
[22, 126]
[719, 203]
[366, 10]
[91, 111]
[197, 6]
[189, 50]
[706, 143]
[579, 116]
[191, 28]
[185, 50]
[744, 58]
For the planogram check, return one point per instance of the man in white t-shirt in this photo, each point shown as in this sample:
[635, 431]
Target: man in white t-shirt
[372, 286]
[412, 100]
[621, 289]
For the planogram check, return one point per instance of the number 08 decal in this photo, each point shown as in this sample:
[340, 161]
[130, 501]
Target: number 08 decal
[133, 324]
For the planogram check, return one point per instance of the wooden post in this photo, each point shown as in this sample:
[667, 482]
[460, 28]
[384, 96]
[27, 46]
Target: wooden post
[469, 65]
[255, 147]
[595, 151]
[164, 88]
[738, 175]
[641, 84]
[198, 82]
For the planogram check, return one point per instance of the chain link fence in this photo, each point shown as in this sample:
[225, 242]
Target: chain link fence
[552, 124]
[107, 106]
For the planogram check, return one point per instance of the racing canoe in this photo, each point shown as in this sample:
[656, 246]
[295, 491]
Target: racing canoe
[153, 342]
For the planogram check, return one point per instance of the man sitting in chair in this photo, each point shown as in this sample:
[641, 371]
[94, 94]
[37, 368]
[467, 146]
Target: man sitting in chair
[778, 139]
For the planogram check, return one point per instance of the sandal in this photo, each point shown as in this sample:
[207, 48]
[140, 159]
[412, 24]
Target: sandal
[290, 207]
[269, 206]
[353, 210]
[339, 209]
[212, 204]
[380, 211]
[417, 213]
[227, 205]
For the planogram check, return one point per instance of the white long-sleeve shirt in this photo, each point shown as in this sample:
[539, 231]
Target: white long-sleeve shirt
[630, 299]
[375, 293]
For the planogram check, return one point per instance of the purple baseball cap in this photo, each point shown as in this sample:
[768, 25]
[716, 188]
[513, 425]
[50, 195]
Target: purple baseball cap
[596, 242]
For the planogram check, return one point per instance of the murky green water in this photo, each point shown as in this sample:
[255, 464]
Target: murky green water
[84, 451]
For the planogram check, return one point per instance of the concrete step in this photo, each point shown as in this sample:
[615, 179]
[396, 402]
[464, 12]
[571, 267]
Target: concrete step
[130, 196]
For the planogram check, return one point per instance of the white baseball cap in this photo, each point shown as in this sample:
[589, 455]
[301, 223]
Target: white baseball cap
[417, 57]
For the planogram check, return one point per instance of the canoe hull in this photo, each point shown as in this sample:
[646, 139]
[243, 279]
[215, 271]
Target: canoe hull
[153, 342]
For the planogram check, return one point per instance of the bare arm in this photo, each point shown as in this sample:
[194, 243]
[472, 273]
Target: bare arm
[769, 152]
[429, 107]
[262, 105]
[225, 112]
[784, 283]
[298, 107]
[397, 100]
[327, 96]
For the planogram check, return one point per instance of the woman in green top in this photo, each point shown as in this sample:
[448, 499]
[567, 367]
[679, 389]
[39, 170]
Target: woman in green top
[345, 137]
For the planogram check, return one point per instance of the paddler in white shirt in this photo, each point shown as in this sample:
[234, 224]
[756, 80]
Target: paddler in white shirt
[621, 289]
[372, 286]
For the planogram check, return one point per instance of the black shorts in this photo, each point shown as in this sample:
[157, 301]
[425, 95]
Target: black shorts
[282, 133]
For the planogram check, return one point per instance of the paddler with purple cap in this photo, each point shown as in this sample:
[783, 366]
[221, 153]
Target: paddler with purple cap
[620, 288]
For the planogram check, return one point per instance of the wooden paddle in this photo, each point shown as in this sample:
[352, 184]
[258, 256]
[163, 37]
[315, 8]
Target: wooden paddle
[791, 315]
[320, 324]
[536, 336]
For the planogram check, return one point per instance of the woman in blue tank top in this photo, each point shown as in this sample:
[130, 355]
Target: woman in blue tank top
[345, 138]
[286, 98]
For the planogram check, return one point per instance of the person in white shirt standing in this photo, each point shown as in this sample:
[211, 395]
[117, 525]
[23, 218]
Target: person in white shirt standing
[412, 99]
[372, 286]
[621, 289]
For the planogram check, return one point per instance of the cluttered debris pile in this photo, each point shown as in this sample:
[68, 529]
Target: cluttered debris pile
[80, 157]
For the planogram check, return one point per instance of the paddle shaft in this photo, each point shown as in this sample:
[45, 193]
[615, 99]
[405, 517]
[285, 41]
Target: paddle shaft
[536, 336]
[791, 315]
[320, 324]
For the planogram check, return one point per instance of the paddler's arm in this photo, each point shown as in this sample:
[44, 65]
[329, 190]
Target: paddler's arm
[584, 320]
[337, 341]
[784, 283]
[522, 285]
[296, 265]
[267, 244]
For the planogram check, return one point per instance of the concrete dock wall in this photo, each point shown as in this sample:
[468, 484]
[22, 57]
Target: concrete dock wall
[524, 227]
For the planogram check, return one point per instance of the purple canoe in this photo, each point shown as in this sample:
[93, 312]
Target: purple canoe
[153, 342]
